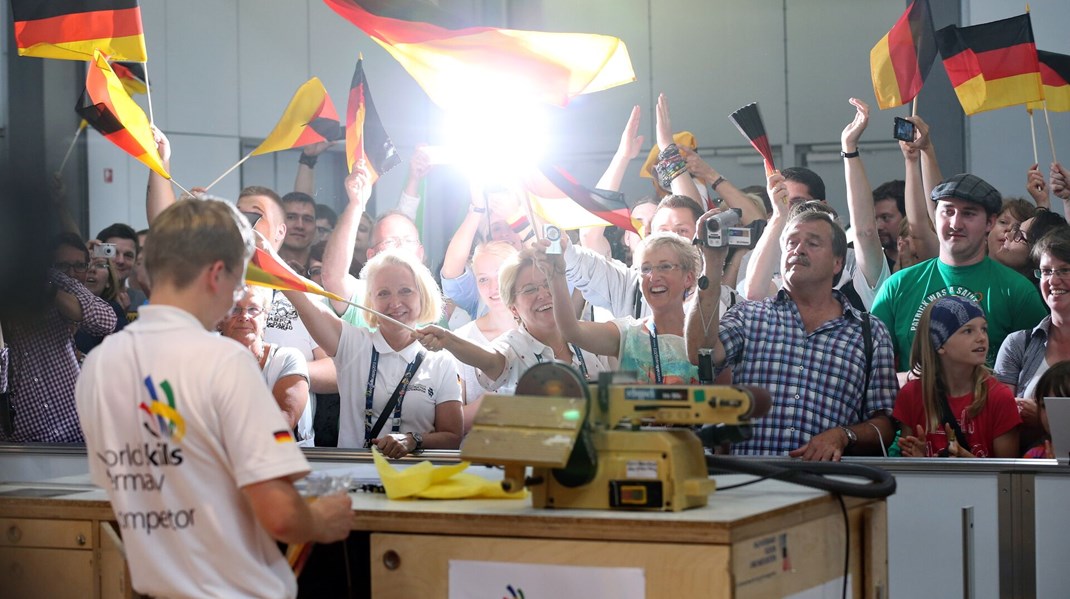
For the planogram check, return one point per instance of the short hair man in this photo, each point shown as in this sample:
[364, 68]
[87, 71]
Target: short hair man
[300, 210]
[127, 249]
[889, 206]
[184, 435]
[804, 346]
[803, 184]
[966, 209]
[326, 219]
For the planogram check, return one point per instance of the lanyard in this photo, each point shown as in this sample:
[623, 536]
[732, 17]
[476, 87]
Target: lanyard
[395, 400]
[655, 353]
[579, 355]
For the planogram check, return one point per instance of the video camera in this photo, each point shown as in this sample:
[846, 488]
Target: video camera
[723, 229]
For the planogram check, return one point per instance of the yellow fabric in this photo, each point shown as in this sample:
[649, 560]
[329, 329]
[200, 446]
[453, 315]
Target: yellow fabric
[882, 71]
[131, 47]
[302, 108]
[978, 95]
[426, 481]
[683, 138]
[129, 114]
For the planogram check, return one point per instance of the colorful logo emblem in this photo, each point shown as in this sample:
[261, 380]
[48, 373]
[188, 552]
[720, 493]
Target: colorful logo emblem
[162, 419]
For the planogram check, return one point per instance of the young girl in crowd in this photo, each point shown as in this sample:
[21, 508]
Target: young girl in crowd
[1053, 383]
[953, 406]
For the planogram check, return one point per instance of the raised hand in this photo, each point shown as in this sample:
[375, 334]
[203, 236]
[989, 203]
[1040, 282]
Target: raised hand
[853, 131]
[778, 194]
[317, 148]
[356, 183]
[663, 127]
[631, 142]
[1060, 181]
[1037, 186]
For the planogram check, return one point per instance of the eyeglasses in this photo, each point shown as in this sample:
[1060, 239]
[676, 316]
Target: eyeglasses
[252, 217]
[70, 266]
[99, 265]
[662, 269]
[1017, 235]
[1051, 273]
[250, 311]
[531, 289]
[324, 230]
[397, 242]
[315, 271]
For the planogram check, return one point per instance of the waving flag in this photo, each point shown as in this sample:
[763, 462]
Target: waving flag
[1055, 77]
[365, 137]
[132, 76]
[310, 118]
[558, 198]
[267, 271]
[901, 60]
[451, 63]
[109, 109]
[748, 120]
[73, 29]
[992, 65]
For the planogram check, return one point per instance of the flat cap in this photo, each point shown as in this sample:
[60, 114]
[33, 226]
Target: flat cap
[971, 188]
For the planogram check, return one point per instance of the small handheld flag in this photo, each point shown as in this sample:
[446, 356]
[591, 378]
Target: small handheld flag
[366, 139]
[74, 30]
[749, 122]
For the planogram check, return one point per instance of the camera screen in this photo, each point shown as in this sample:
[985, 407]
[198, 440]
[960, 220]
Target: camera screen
[904, 129]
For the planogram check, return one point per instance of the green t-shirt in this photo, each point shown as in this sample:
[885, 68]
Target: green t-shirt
[1010, 301]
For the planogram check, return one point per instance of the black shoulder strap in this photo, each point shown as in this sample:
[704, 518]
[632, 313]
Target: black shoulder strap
[948, 417]
[393, 401]
[848, 289]
[637, 306]
[867, 346]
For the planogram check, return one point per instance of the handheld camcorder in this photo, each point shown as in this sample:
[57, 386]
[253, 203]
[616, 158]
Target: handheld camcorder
[723, 230]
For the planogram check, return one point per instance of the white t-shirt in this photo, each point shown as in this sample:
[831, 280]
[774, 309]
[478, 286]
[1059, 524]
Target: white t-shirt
[284, 361]
[177, 420]
[472, 389]
[434, 382]
[522, 351]
[286, 329]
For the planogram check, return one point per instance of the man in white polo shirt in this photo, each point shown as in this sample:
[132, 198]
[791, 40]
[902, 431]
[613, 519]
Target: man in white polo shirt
[184, 435]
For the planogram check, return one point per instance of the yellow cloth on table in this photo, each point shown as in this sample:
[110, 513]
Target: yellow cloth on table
[426, 481]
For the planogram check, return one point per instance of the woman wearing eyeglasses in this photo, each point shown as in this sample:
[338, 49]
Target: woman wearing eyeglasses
[526, 293]
[653, 346]
[284, 368]
[1026, 355]
[102, 279]
[1019, 239]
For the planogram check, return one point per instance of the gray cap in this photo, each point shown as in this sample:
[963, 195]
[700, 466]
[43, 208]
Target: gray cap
[972, 189]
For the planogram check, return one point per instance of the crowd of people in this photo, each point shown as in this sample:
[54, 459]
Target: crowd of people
[955, 291]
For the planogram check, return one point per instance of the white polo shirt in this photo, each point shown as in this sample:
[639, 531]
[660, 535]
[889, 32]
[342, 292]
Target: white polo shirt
[434, 382]
[177, 420]
[522, 351]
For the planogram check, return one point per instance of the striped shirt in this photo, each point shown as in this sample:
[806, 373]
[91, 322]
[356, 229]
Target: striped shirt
[816, 379]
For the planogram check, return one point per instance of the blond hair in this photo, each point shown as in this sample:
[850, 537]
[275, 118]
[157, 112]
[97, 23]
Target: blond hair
[686, 252]
[193, 234]
[430, 295]
[925, 365]
[510, 271]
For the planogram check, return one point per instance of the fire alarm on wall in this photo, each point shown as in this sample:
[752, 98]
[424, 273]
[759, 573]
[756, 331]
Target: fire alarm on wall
[107, 175]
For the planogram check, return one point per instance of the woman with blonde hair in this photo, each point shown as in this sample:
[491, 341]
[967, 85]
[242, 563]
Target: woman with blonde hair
[102, 280]
[393, 395]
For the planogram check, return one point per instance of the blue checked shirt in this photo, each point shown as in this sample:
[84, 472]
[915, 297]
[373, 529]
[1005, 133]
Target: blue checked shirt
[816, 379]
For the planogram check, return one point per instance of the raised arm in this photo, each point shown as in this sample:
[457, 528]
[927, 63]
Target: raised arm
[492, 363]
[930, 168]
[683, 184]
[1060, 185]
[869, 254]
[338, 254]
[419, 166]
[460, 246]
[601, 338]
[765, 257]
[160, 195]
[630, 144]
[1037, 187]
[918, 206]
[325, 327]
[703, 319]
[731, 194]
[305, 181]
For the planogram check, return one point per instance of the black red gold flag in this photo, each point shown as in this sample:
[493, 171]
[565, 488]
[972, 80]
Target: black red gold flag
[452, 64]
[366, 139]
[309, 118]
[1055, 77]
[901, 60]
[992, 65]
[73, 29]
[748, 120]
[559, 199]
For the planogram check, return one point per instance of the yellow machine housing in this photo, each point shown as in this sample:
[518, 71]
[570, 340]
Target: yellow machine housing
[601, 453]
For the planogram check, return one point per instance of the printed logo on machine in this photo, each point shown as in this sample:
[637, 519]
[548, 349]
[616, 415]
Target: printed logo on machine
[161, 418]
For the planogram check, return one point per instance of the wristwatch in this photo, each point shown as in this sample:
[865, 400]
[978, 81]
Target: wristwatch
[852, 438]
[419, 441]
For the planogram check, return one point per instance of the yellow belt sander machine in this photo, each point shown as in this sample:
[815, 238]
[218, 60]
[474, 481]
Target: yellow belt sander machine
[595, 446]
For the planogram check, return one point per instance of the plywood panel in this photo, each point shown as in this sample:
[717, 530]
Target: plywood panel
[47, 573]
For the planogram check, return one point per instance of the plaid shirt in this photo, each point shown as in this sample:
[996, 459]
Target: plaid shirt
[816, 380]
[44, 368]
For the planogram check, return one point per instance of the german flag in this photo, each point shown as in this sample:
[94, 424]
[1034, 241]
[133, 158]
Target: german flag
[73, 29]
[569, 205]
[265, 270]
[453, 64]
[132, 76]
[310, 118]
[283, 437]
[109, 109]
[992, 65]
[1055, 76]
[901, 60]
[366, 139]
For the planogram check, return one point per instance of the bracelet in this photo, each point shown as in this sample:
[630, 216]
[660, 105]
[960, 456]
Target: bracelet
[670, 165]
[717, 182]
[849, 154]
[478, 209]
[309, 161]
